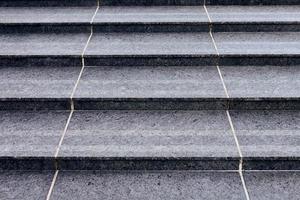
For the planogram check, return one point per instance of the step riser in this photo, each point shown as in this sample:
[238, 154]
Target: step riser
[84, 163]
[43, 61]
[152, 104]
[148, 27]
[252, 2]
[86, 28]
[163, 60]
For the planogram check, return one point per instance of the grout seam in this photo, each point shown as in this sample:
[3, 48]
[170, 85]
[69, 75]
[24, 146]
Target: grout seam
[240, 154]
[64, 133]
[72, 104]
[52, 185]
[82, 55]
[240, 170]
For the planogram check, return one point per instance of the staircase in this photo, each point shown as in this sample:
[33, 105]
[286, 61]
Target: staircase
[149, 99]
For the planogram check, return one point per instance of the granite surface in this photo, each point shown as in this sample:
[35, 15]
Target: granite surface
[140, 136]
[245, 14]
[37, 82]
[31, 133]
[158, 14]
[46, 14]
[150, 82]
[137, 44]
[262, 81]
[147, 185]
[25, 185]
[243, 44]
[268, 139]
[25, 44]
[273, 185]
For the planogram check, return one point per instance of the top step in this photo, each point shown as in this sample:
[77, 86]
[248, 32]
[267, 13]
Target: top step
[27, 3]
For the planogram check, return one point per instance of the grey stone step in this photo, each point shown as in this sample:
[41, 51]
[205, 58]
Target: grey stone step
[25, 185]
[108, 19]
[66, 49]
[154, 49]
[268, 135]
[46, 19]
[149, 140]
[149, 19]
[254, 18]
[252, 2]
[52, 3]
[265, 48]
[149, 185]
[21, 49]
[145, 87]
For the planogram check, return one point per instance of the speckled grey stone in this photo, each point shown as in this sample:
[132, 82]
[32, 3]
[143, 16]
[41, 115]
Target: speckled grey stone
[150, 103]
[37, 82]
[146, 185]
[151, 19]
[157, 14]
[25, 185]
[268, 138]
[46, 14]
[264, 48]
[35, 104]
[46, 19]
[246, 14]
[262, 81]
[42, 44]
[243, 44]
[150, 82]
[42, 3]
[264, 103]
[150, 60]
[153, 135]
[138, 44]
[150, 49]
[254, 18]
[30, 134]
[252, 2]
[38, 60]
[151, 2]
[273, 185]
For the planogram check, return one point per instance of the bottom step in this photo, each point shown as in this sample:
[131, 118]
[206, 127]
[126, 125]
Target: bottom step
[149, 185]
[150, 140]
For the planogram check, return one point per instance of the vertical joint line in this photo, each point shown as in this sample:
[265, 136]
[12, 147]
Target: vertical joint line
[52, 185]
[240, 155]
[217, 51]
[72, 105]
[83, 53]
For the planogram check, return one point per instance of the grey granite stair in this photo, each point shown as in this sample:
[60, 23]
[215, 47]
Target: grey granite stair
[149, 99]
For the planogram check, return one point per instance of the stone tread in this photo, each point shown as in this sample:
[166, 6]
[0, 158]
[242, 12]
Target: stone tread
[235, 48]
[137, 139]
[149, 19]
[19, 185]
[103, 87]
[157, 14]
